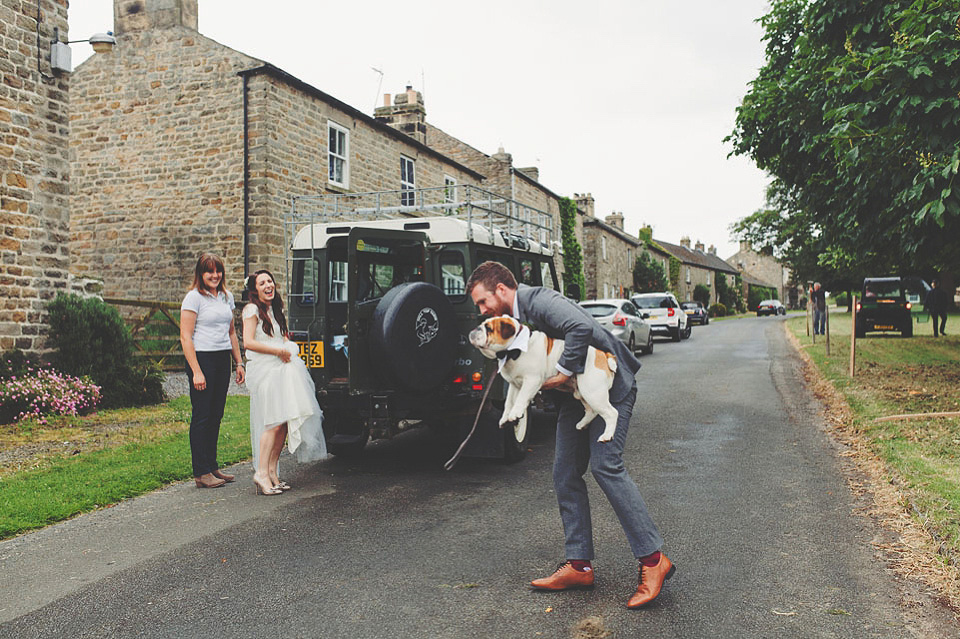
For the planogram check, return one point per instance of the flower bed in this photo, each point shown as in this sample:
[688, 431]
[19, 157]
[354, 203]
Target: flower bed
[43, 391]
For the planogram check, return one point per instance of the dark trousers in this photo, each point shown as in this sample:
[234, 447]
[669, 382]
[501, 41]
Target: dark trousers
[208, 407]
[938, 315]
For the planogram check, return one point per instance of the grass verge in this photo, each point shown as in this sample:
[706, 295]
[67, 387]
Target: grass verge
[74, 465]
[919, 457]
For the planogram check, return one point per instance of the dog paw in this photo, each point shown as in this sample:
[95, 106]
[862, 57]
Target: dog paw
[604, 438]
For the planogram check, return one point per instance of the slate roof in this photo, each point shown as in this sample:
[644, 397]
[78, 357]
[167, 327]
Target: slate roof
[698, 258]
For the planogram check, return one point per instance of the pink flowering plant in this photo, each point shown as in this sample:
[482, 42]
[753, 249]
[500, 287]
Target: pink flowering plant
[39, 391]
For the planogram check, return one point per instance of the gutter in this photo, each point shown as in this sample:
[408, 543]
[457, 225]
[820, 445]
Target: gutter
[246, 182]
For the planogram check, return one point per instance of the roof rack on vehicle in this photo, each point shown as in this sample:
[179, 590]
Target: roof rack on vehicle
[519, 225]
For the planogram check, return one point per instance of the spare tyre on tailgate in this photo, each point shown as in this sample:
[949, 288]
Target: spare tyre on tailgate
[413, 336]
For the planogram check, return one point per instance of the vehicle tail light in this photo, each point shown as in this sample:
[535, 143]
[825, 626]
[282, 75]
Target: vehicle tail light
[477, 387]
[909, 305]
[670, 312]
[477, 376]
[458, 379]
[619, 320]
[859, 306]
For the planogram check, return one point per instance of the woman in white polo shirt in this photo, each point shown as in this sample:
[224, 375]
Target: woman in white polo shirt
[209, 338]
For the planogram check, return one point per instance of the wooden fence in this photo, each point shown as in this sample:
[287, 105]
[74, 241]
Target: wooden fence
[155, 327]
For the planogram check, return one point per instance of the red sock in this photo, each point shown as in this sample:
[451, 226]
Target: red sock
[651, 560]
[581, 565]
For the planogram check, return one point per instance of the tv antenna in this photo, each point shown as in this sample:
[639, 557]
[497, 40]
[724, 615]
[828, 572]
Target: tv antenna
[376, 98]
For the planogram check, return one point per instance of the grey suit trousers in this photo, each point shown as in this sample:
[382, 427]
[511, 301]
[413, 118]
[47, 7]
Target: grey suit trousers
[578, 449]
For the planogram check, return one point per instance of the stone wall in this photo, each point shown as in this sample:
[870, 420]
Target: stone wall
[289, 144]
[157, 146]
[34, 172]
[608, 257]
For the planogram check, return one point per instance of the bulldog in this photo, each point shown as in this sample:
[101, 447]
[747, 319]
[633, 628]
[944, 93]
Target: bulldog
[528, 358]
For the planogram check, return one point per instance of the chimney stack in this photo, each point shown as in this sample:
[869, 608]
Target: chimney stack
[685, 242]
[615, 219]
[585, 203]
[407, 113]
[147, 15]
[712, 250]
[699, 246]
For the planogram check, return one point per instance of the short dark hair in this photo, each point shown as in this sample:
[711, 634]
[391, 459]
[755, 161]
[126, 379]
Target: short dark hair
[490, 274]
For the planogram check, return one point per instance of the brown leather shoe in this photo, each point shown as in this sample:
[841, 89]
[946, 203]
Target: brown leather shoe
[208, 481]
[224, 476]
[565, 578]
[651, 581]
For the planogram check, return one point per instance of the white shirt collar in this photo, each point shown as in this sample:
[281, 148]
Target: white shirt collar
[516, 305]
[520, 342]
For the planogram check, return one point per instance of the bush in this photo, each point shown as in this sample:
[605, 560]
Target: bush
[15, 363]
[42, 391]
[842, 299]
[717, 310]
[701, 294]
[89, 338]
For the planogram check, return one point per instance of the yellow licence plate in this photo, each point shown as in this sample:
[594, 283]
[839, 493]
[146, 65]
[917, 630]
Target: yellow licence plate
[311, 353]
[882, 327]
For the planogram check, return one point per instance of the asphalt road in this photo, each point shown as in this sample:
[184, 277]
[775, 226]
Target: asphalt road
[726, 445]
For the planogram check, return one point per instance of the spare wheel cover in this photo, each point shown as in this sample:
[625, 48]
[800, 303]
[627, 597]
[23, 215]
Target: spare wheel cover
[414, 335]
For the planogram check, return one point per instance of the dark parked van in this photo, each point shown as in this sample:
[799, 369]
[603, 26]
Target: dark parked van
[377, 303]
[888, 304]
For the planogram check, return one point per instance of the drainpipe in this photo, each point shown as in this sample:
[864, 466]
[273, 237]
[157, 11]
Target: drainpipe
[246, 184]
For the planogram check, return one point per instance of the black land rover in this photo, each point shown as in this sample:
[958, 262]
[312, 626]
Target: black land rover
[378, 305]
[887, 303]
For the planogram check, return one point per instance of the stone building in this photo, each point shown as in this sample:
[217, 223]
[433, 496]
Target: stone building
[609, 253]
[698, 266]
[762, 269]
[34, 171]
[181, 144]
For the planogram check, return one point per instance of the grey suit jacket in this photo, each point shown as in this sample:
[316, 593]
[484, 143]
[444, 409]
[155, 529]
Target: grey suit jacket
[561, 318]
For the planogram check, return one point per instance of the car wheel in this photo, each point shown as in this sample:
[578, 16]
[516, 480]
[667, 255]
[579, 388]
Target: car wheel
[706, 320]
[688, 331]
[675, 333]
[414, 336]
[632, 345]
[649, 347]
[907, 330]
[860, 331]
[346, 435]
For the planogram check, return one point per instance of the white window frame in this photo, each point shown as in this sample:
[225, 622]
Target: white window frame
[688, 275]
[603, 246]
[339, 155]
[449, 189]
[408, 180]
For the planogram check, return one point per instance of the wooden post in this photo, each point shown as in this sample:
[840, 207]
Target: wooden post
[809, 299]
[853, 337]
[826, 326]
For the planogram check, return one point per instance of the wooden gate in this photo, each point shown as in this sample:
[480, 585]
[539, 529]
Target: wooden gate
[155, 327]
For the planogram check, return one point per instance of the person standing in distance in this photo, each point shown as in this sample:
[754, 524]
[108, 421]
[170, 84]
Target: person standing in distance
[209, 339]
[819, 300]
[494, 290]
[936, 303]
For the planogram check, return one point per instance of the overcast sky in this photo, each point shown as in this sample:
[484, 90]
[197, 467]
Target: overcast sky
[628, 100]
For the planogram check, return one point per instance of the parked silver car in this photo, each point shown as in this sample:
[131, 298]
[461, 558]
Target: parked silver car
[622, 318]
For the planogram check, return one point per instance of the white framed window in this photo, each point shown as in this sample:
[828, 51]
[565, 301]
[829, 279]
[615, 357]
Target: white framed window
[408, 181]
[338, 282]
[449, 189]
[338, 155]
[688, 275]
[603, 247]
[606, 290]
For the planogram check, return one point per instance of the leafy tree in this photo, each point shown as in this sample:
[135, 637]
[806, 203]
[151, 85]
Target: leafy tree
[648, 275]
[856, 116]
[572, 254]
[701, 294]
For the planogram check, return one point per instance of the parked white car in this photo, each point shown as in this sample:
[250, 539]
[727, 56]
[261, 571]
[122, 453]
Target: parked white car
[622, 318]
[665, 315]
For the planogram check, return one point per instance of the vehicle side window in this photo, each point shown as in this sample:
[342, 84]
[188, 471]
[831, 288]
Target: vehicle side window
[666, 303]
[630, 309]
[527, 274]
[491, 256]
[306, 282]
[452, 273]
[546, 278]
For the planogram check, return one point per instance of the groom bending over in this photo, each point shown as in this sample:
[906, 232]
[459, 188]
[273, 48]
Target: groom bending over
[494, 290]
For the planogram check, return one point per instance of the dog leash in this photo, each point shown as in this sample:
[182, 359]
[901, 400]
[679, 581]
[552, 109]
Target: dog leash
[456, 456]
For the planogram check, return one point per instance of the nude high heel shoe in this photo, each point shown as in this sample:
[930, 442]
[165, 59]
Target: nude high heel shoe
[263, 486]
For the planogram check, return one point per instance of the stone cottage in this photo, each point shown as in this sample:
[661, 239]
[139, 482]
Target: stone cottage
[181, 144]
[609, 253]
[698, 266]
[762, 269]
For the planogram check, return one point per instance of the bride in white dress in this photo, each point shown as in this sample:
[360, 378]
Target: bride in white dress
[283, 403]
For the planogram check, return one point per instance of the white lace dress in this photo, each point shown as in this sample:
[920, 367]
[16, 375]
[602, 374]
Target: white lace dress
[282, 392]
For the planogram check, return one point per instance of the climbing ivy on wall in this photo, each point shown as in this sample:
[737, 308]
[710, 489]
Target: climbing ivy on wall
[572, 253]
[674, 275]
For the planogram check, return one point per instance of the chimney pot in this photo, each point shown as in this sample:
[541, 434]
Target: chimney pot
[386, 99]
